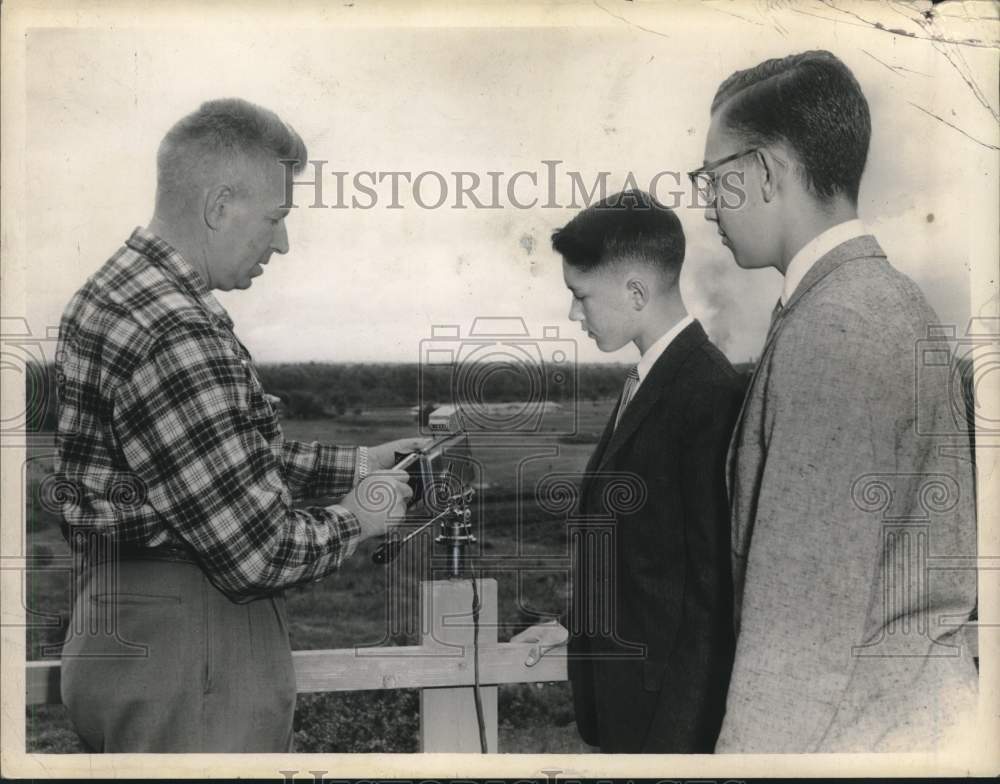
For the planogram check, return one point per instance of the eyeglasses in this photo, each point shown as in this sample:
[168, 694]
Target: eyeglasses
[706, 180]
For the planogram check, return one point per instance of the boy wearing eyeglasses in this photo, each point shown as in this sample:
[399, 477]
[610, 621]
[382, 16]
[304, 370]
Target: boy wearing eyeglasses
[848, 470]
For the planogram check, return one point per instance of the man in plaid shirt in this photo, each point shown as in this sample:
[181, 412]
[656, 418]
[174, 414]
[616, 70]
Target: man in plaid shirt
[182, 483]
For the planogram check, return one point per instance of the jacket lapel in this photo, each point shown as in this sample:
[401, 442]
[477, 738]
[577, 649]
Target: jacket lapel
[598, 453]
[602, 444]
[653, 387]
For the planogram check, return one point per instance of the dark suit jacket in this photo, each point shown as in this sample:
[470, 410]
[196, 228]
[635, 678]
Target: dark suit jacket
[651, 637]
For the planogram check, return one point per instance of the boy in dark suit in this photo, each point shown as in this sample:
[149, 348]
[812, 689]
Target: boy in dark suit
[650, 626]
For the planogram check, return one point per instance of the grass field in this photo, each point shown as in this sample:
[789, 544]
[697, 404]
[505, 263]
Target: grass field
[349, 607]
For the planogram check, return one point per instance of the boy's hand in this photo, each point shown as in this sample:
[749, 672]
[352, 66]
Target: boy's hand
[546, 636]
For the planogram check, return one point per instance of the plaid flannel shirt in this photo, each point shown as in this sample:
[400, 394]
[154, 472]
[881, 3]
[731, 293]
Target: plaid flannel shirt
[165, 433]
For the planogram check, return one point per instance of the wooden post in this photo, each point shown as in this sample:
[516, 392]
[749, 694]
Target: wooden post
[448, 715]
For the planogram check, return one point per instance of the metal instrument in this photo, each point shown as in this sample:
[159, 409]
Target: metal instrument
[439, 481]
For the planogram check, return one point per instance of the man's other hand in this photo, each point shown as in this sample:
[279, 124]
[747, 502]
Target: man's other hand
[383, 456]
[378, 498]
[546, 636]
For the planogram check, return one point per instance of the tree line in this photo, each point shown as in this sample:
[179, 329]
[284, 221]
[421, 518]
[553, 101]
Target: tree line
[328, 389]
[311, 390]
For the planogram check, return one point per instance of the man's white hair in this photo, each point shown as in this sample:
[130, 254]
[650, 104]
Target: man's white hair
[219, 138]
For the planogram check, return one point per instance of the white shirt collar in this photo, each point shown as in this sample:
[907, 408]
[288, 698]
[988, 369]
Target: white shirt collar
[816, 249]
[653, 353]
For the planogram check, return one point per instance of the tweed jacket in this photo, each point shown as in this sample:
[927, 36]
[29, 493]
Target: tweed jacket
[853, 523]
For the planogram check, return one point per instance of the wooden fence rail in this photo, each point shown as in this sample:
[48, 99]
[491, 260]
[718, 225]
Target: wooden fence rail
[442, 667]
[347, 669]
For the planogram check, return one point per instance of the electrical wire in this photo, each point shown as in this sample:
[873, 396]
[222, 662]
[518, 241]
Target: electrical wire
[475, 665]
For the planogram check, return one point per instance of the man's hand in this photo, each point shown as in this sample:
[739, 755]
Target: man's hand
[546, 636]
[383, 456]
[377, 498]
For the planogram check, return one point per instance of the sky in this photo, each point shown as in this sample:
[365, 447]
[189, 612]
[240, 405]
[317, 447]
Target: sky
[626, 90]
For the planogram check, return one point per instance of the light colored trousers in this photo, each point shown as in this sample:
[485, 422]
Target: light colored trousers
[159, 660]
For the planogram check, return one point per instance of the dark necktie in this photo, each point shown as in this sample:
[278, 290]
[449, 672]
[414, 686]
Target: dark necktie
[631, 383]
